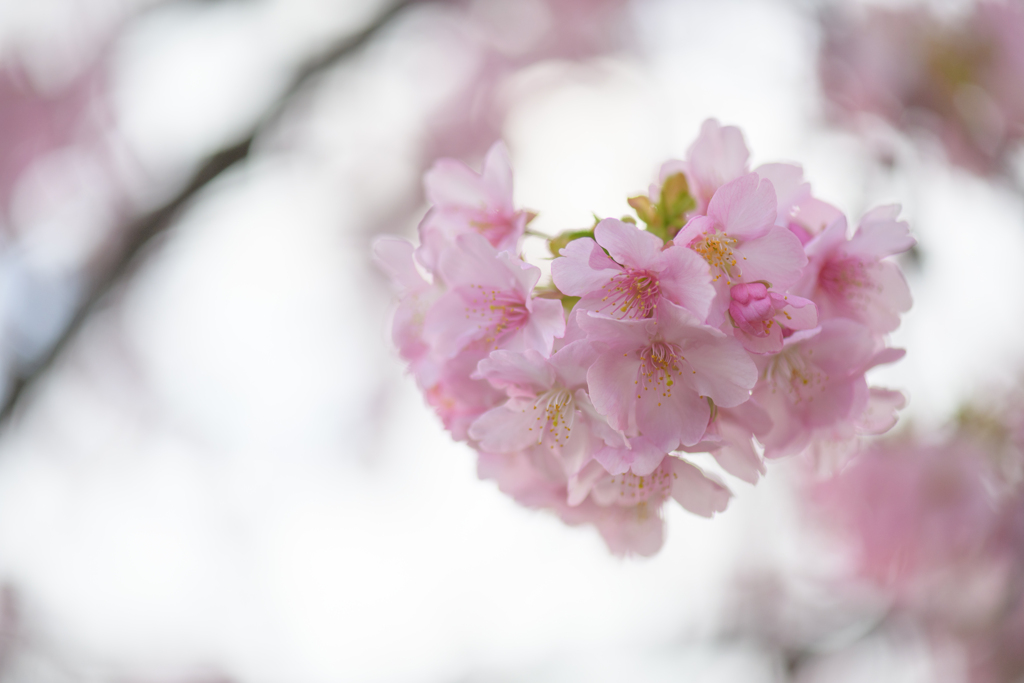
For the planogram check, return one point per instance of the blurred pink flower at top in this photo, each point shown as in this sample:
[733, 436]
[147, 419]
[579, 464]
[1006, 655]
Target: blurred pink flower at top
[958, 79]
[34, 123]
[465, 202]
[503, 38]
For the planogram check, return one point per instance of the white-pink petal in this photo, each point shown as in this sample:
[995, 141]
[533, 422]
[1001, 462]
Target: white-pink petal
[628, 244]
[582, 268]
[744, 208]
[697, 491]
[686, 280]
[776, 257]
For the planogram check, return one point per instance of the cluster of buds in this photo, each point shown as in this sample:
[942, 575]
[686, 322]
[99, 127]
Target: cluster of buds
[739, 320]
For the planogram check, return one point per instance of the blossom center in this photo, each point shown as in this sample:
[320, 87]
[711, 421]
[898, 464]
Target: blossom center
[556, 409]
[661, 365]
[499, 312]
[637, 490]
[495, 226]
[717, 250]
[795, 375]
[839, 277]
[633, 294]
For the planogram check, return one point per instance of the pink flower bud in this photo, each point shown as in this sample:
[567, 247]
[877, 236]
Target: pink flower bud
[753, 307]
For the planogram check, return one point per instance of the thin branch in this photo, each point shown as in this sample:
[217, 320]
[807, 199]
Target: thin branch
[142, 231]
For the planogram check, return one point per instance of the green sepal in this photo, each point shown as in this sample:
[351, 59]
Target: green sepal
[668, 216]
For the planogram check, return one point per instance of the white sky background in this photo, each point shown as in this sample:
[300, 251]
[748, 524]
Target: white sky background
[230, 472]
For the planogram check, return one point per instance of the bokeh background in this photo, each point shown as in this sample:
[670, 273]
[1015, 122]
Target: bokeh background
[212, 468]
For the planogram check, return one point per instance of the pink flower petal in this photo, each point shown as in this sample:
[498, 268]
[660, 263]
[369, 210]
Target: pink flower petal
[641, 457]
[572, 361]
[695, 228]
[880, 234]
[582, 268]
[528, 372]
[506, 429]
[546, 323]
[800, 314]
[395, 257]
[717, 156]
[686, 280]
[671, 418]
[744, 208]
[760, 345]
[450, 182]
[612, 380]
[628, 244]
[497, 175]
[737, 456]
[776, 257]
[720, 367]
[697, 491]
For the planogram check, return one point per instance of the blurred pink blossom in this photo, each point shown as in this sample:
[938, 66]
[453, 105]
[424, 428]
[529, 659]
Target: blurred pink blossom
[938, 525]
[957, 79]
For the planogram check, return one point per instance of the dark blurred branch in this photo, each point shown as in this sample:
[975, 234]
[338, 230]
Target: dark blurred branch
[140, 232]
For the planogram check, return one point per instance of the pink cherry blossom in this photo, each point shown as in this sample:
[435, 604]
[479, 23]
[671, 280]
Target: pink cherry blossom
[710, 331]
[852, 278]
[457, 398]
[653, 377]
[637, 275]
[489, 303]
[547, 408]
[741, 242]
[466, 202]
[815, 386]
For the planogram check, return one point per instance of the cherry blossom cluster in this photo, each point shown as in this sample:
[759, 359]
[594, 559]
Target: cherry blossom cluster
[735, 315]
[958, 79]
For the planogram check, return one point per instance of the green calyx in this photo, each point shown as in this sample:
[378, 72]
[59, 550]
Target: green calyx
[664, 218]
[668, 216]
